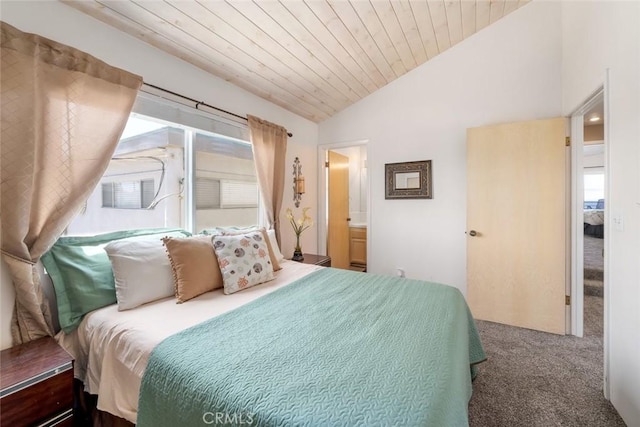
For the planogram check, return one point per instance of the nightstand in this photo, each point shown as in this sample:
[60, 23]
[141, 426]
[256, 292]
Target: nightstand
[36, 385]
[322, 260]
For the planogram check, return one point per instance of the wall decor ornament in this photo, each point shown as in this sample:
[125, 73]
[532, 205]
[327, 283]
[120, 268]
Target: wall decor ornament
[298, 182]
[408, 180]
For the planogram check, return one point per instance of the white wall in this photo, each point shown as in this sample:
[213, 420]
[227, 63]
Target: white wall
[509, 71]
[64, 24]
[600, 36]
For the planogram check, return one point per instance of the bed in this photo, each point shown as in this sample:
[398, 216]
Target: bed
[594, 222]
[314, 346]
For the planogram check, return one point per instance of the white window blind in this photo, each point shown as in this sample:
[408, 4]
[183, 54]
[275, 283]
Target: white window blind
[161, 105]
[214, 193]
[238, 194]
[128, 194]
[207, 193]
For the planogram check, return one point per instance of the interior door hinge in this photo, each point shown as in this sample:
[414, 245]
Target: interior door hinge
[567, 141]
[567, 299]
[326, 164]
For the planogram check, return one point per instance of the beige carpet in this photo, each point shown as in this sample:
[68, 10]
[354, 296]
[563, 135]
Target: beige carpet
[538, 379]
[593, 259]
[593, 266]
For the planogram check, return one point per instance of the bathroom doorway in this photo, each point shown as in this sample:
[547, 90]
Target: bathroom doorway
[344, 231]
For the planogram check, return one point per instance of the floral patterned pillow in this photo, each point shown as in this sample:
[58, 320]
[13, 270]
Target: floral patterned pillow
[244, 260]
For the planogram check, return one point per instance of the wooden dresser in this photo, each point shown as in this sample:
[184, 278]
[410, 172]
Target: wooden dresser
[36, 385]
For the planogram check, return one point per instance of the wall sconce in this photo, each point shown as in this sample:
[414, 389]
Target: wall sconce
[298, 182]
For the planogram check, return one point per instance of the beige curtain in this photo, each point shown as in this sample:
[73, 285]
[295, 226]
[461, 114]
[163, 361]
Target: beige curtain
[63, 112]
[269, 142]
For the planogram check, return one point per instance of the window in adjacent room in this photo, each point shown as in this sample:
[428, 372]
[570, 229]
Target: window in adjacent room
[128, 194]
[594, 189]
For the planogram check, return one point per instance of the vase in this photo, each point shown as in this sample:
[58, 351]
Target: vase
[297, 252]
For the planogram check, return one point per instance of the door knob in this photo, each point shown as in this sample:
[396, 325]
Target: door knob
[472, 233]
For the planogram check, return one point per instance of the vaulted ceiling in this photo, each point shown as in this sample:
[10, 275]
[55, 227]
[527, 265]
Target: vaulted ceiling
[312, 57]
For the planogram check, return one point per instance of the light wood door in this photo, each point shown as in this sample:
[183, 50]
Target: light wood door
[338, 236]
[516, 207]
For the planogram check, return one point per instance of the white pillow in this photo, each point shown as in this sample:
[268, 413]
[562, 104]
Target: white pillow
[141, 270]
[274, 245]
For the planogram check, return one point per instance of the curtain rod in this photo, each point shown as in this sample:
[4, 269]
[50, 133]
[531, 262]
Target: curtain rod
[201, 103]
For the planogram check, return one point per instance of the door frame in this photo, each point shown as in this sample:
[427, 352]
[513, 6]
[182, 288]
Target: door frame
[323, 191]
[577, 229]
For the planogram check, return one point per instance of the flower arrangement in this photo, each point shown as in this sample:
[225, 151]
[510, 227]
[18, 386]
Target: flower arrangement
[299, 226]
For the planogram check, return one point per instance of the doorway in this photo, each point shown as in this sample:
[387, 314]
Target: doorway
[589, 208]
[590, 211]
[593, 204]
[344, 232]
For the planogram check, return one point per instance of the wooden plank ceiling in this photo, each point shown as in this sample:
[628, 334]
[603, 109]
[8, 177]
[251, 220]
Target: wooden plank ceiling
[312, 57]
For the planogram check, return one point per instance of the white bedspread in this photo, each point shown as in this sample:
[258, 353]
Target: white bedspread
[111, 348]
[594, 216]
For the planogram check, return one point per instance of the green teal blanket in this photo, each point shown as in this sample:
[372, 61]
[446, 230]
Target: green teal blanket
[335, 348]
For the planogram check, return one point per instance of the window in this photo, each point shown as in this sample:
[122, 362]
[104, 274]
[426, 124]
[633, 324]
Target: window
[594, 190]
[128, 195]
[167, 173]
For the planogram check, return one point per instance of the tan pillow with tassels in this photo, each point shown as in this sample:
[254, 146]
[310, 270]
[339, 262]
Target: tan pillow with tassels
[194, 264]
